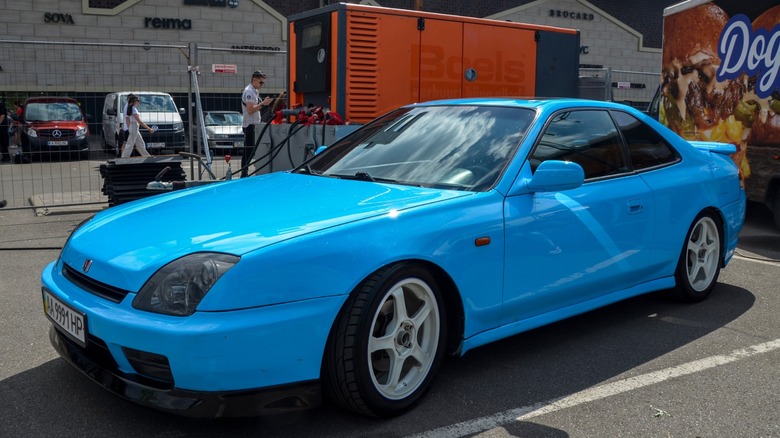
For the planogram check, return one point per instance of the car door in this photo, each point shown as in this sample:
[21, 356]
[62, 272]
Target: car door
[566, 248]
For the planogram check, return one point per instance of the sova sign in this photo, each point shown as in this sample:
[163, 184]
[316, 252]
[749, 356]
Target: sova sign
[56, 17]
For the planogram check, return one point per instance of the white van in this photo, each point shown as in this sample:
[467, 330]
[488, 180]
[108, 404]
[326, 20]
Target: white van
[157, 110]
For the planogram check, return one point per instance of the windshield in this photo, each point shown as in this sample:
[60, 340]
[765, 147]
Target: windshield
[155, 104]
[223, 119]
[52, 111]
[459, 147]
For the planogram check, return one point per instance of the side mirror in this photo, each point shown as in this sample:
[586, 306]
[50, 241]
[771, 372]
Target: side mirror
[182, 111]
[556, 176]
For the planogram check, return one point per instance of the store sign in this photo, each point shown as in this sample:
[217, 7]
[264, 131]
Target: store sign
[224, 68]
[168, 23]
[267, 48]
[586, 16]
[212, 3]
[56, 17]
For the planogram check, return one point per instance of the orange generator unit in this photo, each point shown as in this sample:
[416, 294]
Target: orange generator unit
[363, 61]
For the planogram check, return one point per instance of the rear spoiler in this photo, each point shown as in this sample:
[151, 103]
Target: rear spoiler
[714, 146]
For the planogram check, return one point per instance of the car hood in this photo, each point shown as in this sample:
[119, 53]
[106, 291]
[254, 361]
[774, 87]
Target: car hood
[231, 217]
[57, 124]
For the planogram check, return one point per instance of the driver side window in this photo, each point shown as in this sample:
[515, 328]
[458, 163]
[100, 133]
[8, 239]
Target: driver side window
[588, 138]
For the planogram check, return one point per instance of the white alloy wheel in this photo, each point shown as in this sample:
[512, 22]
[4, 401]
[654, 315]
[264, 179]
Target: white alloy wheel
[404, 338]
[387, 343]
[700, 259]
[702, 254]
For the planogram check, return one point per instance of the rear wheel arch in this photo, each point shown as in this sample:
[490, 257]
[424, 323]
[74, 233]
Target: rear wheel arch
[695, 256]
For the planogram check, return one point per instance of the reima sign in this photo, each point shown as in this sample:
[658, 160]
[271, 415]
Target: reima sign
[755, 53]
[168, 23]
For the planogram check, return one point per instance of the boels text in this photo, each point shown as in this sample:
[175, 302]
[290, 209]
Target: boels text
[435, 65]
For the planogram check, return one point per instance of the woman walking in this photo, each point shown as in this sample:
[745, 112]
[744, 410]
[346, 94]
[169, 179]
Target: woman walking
[134, 123]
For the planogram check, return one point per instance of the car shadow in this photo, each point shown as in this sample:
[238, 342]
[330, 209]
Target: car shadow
[581, 352]
[544, 364]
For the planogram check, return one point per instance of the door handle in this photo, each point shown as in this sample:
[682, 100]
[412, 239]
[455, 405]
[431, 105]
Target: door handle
[634, 206]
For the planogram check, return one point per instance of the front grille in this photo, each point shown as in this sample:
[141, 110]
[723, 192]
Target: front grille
[162, 127]
[64, 134]
[94, 287]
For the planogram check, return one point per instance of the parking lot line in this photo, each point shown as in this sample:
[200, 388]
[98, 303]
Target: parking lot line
[598, 392]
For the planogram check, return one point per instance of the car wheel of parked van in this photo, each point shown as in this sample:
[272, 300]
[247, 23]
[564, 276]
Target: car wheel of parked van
[776, 208]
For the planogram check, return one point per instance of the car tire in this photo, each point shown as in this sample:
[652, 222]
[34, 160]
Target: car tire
[700, 260]
[381, 358]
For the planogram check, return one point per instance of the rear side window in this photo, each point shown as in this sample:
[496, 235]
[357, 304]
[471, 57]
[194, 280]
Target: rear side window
[588, 138]
[646, 148]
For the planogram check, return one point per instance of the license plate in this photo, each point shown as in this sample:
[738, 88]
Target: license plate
[57, 143]
[72, 322]
[155, 145]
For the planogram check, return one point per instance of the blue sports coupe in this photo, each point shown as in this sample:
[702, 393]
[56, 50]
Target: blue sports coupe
[435, 229]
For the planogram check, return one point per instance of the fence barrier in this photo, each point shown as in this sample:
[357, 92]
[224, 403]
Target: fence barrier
[87, 72]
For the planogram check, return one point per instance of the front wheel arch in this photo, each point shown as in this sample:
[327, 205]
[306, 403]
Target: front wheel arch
[351, 381]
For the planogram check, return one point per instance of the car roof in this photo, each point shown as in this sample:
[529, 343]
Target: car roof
[141, 92]
[531, 103]
[49, 99]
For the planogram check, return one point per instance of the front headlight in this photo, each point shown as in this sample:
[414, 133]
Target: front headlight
[81, 132]
[32, 133]
[179, 286]
[178, 126]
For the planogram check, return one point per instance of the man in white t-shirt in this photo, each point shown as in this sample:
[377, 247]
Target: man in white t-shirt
[252, 108]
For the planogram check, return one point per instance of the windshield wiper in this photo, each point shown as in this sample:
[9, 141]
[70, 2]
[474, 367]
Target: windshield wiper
[364, 176]
[306, 169]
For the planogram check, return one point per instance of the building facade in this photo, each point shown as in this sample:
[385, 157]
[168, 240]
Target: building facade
[92, 47]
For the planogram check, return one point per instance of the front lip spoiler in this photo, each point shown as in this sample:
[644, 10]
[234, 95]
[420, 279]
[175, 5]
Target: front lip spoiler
[245, 403]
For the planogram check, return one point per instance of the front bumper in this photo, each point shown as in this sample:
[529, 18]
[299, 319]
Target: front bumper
[226, 143]
[210, 364]
[164, 139]
[245, 403]
[57, 145]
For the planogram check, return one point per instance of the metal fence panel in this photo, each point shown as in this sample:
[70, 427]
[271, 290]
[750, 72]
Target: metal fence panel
[633, 88]
[87, 72]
